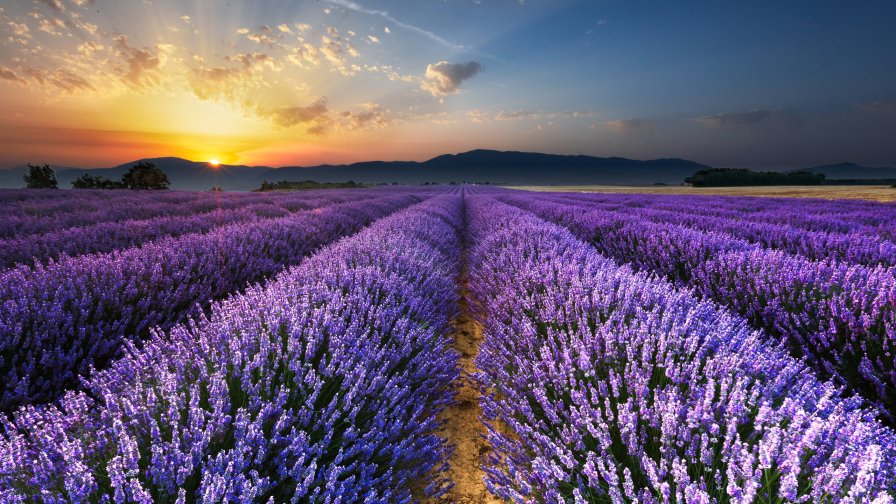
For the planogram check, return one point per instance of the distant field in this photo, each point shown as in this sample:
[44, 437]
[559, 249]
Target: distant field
[873, 193]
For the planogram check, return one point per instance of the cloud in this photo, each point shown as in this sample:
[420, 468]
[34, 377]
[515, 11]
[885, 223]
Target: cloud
[141, 63]
[335, 48]
[318, 119]
[90, 47]
[20, 29]
[222, 82]
[56, 5]
[444, 78]
[252, 61]
[315, 116]
[8, 74]
[352, 6]
[265, 35]
[373, 39]
[629, 125]
[740, 118]
[63, 17]
[478, 116]
[481, 116]
[304, 53]
[370, 115]
[64, 79]
[515, 114]
[52, 26]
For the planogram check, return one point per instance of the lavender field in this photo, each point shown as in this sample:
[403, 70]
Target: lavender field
[445, 344]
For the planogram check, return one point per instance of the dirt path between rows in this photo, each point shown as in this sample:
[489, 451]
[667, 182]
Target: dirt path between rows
[463, 425]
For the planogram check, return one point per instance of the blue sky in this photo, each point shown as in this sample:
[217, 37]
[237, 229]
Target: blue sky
[752, 84]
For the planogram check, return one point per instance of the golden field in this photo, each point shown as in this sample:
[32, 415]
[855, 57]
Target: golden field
[873, 193]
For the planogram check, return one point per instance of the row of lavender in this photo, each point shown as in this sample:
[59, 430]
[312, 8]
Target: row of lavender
[112, 235]
[613, 386]
[31, 212]
[838, 216]
[840, 316]
[60, 320]
[832, 233]
[322, 386]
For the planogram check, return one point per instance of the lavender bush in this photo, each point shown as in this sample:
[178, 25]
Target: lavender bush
[58, 320]
[833, 216]
[322, 386]
[840, 316]
[612, 386]
[41, 211]
[114, 235]
[849, 242]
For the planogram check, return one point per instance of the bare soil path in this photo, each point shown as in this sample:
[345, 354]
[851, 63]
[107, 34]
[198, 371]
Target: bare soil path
[463, 425]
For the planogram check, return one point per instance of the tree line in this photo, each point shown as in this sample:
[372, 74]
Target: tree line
[727, 177]
[286, 185]
[143, 175]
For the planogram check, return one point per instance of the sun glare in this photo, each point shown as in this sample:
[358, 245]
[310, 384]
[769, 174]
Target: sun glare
[214, 162]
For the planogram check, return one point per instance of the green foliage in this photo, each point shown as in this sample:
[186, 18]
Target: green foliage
[726, 177]
[40, 177]
[145, 175]
[285, 185]
[88, 181]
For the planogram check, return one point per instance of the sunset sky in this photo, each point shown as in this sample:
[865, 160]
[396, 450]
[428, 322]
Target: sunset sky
[276, 82]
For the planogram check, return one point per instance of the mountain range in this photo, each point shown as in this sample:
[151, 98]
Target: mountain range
[853, 171]
[496, 167]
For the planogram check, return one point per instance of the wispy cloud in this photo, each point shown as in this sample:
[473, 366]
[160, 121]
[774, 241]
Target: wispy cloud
[742, 118]
[352, 6]
[630, 125]
[480, 116]
[515, 114]
[61, 78]
[7, 74]
[142, 63]
[312, 115]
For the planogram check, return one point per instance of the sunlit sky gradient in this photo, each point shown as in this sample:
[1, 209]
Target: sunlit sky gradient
[753, 84]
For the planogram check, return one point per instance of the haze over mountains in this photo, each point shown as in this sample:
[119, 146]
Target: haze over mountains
[496, 167]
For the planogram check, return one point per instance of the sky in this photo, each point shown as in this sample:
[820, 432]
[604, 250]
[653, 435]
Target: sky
[764, 84]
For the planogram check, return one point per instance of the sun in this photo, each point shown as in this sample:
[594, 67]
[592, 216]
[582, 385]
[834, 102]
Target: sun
[214, 162]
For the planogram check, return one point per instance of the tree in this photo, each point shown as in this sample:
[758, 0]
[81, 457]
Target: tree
[145, 175]
[88, 181]
[40, 177]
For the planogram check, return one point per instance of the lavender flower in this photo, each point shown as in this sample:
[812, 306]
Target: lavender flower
[323, 385]
[611, 386]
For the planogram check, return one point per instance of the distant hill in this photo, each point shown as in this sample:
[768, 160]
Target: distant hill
[502, 167]
[853, 171]
[473, 166]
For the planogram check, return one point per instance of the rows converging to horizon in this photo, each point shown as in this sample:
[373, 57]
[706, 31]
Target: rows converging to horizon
[307, 345]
